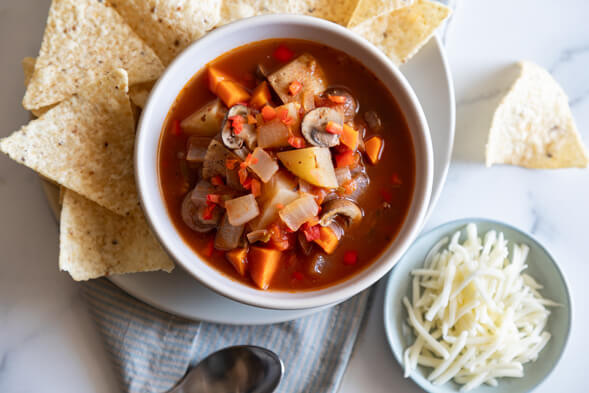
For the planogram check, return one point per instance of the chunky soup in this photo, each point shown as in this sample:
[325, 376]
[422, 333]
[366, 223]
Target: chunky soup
[287, 165]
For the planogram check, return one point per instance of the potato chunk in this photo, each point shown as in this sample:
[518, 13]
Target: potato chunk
[312, 164]
[305, 70]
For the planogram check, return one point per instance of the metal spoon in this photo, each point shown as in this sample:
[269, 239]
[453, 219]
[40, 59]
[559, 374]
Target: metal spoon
[239, 369]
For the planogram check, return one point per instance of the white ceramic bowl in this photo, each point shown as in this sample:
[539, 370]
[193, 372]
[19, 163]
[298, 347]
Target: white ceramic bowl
[212, 46]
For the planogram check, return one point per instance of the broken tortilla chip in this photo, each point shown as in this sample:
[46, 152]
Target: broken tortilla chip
[139, 93]
[85, 143]
[369, 9]
[339, 12]
[232, 10]
[95, 242]
[169, 26]
[28, 67]
[83, 40]
[401, 33]
[533, 125]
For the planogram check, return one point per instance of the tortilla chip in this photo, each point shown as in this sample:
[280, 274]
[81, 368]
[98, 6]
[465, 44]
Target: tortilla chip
[95, 242]
[169, 26]
[28, 67]
[85, 143]
[139, 93]
[533, 125]
[403, 32]
[370, 9]
[83, 40]
[232, 10]
[339, 12]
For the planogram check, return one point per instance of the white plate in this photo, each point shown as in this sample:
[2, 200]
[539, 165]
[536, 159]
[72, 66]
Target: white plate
[178, 293]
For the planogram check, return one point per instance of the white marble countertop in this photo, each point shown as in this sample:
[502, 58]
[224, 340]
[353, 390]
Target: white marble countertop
[49, 344]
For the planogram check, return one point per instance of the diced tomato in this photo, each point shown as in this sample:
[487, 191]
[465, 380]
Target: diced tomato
[337, 99]
[280, 239]
[268, 113]
[217, 181]
[256, 187]
[396, 180]
[210, 247]
[386, 195]
[176, 129]
[350, 257]
[345, 159]
[298, 276]
[311, 232]
[294, 88]
[283, 54]
[231, 163]
[296, 141]
[334, 128]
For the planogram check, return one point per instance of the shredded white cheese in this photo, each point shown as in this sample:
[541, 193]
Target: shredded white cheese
[475, 315]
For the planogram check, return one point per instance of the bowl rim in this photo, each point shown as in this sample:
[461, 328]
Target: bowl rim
[389, 320]
[337, 292]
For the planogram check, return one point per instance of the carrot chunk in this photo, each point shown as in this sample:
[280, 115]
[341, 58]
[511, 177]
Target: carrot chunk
[294, 88]
[373, 148]
[349, 137]
[263, 263]
[328, 240]
[260, 96]
[215, 78]
[268, 113]
[238, 258]
[337, 99]
[345, 159]
[232, 93]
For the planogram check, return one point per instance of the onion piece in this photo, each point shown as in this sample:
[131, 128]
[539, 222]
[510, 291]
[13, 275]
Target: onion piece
[260, 235]
[305, 186]
[273, 134]
[242, 210]
[228, 236]
[299, 211]
[196, 148]
[343, 175]
[263, 165]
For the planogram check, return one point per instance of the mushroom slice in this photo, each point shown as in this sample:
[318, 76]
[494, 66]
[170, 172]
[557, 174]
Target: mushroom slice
[191, 216]
[350, 106]
[247, 133]
[313, 126]
[340, 207]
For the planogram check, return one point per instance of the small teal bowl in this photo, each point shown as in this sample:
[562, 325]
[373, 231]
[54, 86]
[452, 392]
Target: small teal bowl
[541, 266]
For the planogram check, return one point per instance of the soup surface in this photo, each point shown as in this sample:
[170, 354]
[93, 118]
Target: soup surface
[287, 165]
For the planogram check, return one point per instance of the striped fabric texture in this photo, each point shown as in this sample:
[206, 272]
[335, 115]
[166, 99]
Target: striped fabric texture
[152, 350]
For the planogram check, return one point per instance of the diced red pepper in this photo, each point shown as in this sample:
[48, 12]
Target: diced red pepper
[247, 184]
[242, 173]
[345, 159]
[396, 179]
[268, 113]
[337, 99]
[350, 257]
[283, 116]
[217, 180]
[334, 128]
[236, 124]
[176, 129]
[294, 88]
[256, 187]
[214, 198]
[231, 163]
[296, 141]
[311, 232]
[298, 276]
[208, 213]
[283, 54]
